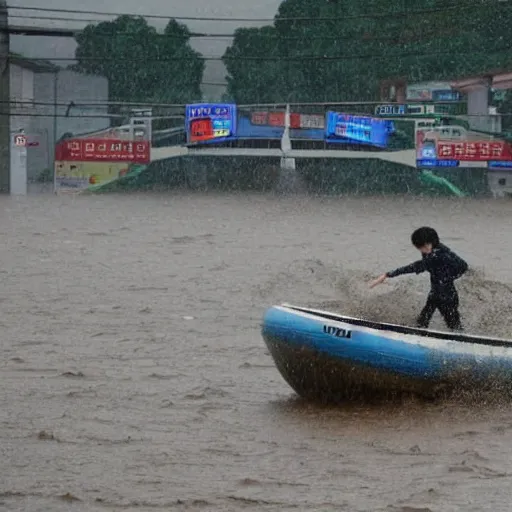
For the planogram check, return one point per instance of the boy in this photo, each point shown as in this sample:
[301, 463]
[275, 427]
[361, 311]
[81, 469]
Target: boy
[444, 267]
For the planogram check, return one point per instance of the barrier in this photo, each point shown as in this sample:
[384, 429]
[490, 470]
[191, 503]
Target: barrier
[424, 136]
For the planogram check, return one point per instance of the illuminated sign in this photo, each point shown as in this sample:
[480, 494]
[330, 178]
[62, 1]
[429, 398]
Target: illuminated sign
[348, 128]
[391, 110]
[210, 122]
[474, 151]
[432, 150]
[501, 165]
[432, 162]
[418, 109]
[101, 150]
[446, 95]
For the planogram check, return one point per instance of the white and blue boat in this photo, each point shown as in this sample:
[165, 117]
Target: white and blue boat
[330, 357]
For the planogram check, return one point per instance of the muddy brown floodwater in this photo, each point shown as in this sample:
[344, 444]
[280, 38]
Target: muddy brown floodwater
[134, 377]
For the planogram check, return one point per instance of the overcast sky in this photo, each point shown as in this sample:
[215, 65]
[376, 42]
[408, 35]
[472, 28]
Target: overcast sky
[46, 47]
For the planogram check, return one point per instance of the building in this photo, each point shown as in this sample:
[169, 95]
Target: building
[4, 100]
[47, 101]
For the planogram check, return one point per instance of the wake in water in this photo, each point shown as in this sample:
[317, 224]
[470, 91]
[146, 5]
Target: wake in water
[485, 304]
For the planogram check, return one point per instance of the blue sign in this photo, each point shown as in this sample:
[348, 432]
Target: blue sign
[502, 165]
[433, 162]
[446, 95]
[350, 129]
[210, 122]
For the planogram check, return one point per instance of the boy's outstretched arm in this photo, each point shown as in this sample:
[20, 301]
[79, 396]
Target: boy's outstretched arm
[414, 268]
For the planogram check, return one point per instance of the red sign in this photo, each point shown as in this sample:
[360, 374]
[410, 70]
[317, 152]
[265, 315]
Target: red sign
[276, 118]
[474, 151]
[101, 150]
[259, 118]
[201, 129]
[295, 120]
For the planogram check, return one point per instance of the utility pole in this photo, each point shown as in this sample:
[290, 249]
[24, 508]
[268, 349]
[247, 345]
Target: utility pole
[5, 135]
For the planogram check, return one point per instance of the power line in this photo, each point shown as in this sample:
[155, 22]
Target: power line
[51, 30]
[70, 33]
[100, 104]
[106, 103]
[160, 118]
[79, 116]
[276, 59]
[92, 116]
[454, 7]
[54, 18]
[65, 32]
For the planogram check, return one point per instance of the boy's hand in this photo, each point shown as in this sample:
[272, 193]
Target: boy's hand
[379, 280]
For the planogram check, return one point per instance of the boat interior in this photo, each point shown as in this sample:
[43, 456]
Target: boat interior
[402, 329]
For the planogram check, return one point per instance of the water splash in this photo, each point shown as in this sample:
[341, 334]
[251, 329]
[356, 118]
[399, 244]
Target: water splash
[485, 304]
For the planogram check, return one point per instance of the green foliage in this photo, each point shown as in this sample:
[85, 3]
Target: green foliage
[259, 79]
[340, 51]
[140, 64]
[45, 176]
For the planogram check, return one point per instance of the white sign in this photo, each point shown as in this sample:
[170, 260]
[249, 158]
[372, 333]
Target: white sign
[20, 141]
[312, 121]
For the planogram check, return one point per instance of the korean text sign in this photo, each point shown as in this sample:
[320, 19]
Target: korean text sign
[100, 150]
[210, 122]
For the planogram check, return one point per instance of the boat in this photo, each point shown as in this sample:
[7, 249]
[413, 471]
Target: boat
[329, 357]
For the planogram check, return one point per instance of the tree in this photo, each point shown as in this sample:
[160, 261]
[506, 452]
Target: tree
[340, 51]
[256, 74]
[140, 64]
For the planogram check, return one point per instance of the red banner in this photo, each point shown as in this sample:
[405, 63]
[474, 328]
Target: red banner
[101, 150]
[297, 121]
[474, 151]
[259, 118]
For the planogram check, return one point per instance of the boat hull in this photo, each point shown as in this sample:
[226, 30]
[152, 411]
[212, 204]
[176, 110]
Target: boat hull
[328, 358]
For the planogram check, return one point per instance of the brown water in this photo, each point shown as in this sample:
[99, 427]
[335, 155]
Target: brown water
[112, 398]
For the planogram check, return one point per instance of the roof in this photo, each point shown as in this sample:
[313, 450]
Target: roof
[35, 65]
[497, 78]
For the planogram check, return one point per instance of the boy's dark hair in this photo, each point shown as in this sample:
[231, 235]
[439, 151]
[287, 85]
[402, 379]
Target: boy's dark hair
[423, 236]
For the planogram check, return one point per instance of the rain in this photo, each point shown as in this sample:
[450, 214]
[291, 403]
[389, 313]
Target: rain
[212, 273]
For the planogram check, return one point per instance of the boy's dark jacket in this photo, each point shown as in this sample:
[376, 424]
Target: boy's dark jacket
[444, 267]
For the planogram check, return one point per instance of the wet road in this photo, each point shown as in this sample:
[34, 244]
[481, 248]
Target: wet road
[134, 376]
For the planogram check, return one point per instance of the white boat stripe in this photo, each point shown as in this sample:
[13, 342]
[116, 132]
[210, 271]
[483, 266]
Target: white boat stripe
[451, 346]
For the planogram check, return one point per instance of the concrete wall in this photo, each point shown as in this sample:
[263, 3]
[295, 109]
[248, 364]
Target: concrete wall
[72, 86]
[21, 83]
[51, 124]
[42, 101]
[500, 183]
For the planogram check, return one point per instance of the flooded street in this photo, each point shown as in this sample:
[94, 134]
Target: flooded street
[134, 376]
